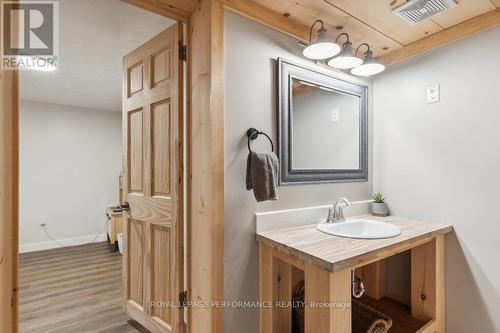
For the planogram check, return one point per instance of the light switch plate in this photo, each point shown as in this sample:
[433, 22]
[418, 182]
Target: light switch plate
[335, 115]
[433, 94]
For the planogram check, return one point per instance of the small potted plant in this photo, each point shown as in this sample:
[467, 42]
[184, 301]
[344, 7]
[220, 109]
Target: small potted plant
[378, 207]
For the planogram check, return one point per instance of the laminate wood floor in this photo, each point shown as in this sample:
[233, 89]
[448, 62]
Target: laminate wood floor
[72, 290]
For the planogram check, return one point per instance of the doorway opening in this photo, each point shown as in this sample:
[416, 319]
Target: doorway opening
[72, 175]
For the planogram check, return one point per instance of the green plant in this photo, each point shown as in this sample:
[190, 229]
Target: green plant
[378, 198]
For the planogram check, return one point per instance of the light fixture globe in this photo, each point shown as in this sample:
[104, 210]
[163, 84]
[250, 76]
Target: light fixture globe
[370, 65]
[368, 69]
[323, 47]
[346, 59]
[321, 50]
[345, 62]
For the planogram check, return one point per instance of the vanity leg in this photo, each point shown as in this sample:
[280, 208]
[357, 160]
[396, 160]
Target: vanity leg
[282, 295]
[440, 284]
[427, 282]
[327, 300]
[276, 291]
[265, 288]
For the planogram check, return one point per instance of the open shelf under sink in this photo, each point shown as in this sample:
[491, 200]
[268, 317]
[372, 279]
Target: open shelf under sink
[402, 321]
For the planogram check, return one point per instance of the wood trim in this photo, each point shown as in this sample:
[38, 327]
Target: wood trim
[206, 245]
[265, 16]
[179, 286]
[430, 327]
[468, 28]
[247, 8]
[9, 199]
[187, 174]
[162, 8]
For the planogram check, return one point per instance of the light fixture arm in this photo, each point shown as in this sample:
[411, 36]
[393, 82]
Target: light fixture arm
[312, 27]
[368, 50]
[341, 35]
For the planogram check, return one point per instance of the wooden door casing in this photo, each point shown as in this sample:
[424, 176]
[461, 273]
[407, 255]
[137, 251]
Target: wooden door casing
[153, 227]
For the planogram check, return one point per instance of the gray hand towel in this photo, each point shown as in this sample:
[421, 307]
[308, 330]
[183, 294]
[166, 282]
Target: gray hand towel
[262, 175]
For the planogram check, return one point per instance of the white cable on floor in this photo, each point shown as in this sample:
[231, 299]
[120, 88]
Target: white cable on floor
[44, 227]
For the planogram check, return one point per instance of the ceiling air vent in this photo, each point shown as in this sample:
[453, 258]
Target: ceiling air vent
[415, 11]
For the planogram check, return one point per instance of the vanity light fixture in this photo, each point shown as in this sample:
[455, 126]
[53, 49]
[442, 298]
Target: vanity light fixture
[370, 66]
[346, 59]
[323, 47]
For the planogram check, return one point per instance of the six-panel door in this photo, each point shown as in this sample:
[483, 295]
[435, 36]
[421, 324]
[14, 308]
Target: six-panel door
[152, 117]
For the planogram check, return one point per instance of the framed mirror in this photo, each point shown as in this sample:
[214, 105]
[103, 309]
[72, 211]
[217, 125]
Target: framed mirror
[322, 127]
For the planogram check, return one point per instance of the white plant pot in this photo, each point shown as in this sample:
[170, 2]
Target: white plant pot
[379, 209]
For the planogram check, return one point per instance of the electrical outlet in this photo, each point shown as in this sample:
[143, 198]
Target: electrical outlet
[43, 221]
[433, 94]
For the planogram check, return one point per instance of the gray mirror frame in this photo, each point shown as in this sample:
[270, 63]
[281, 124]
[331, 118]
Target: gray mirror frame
[287, 71]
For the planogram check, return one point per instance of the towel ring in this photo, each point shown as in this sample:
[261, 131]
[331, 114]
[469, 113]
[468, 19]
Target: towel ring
[253, 134]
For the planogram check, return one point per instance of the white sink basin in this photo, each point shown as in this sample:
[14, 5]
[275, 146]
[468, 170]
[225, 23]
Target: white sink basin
[360, 228]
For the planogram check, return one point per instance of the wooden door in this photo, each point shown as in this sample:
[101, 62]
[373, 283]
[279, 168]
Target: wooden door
[153, 232]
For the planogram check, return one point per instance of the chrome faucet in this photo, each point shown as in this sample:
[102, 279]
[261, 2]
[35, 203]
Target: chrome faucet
[338, 211]
[331, 217]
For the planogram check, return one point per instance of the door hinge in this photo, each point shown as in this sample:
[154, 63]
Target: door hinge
[182, 52]
[183, 297]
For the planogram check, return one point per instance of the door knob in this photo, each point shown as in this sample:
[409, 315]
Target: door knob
[125, 207]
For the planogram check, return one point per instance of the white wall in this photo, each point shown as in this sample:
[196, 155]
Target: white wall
[70, 159]
[250, 57]
[441, 162]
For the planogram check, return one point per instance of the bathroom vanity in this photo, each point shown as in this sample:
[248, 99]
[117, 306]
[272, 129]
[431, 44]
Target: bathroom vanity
[323, 138]
[326, 263]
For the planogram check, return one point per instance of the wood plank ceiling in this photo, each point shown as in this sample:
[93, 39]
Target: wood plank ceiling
[373, 22]
[180, 10]
[370, 21]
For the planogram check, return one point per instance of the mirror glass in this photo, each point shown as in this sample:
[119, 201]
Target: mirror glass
[325, 131]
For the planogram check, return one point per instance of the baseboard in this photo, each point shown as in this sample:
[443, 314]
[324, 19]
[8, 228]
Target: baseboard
[46, 245]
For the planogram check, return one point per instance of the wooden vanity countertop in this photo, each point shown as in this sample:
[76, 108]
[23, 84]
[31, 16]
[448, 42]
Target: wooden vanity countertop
[334, 253]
